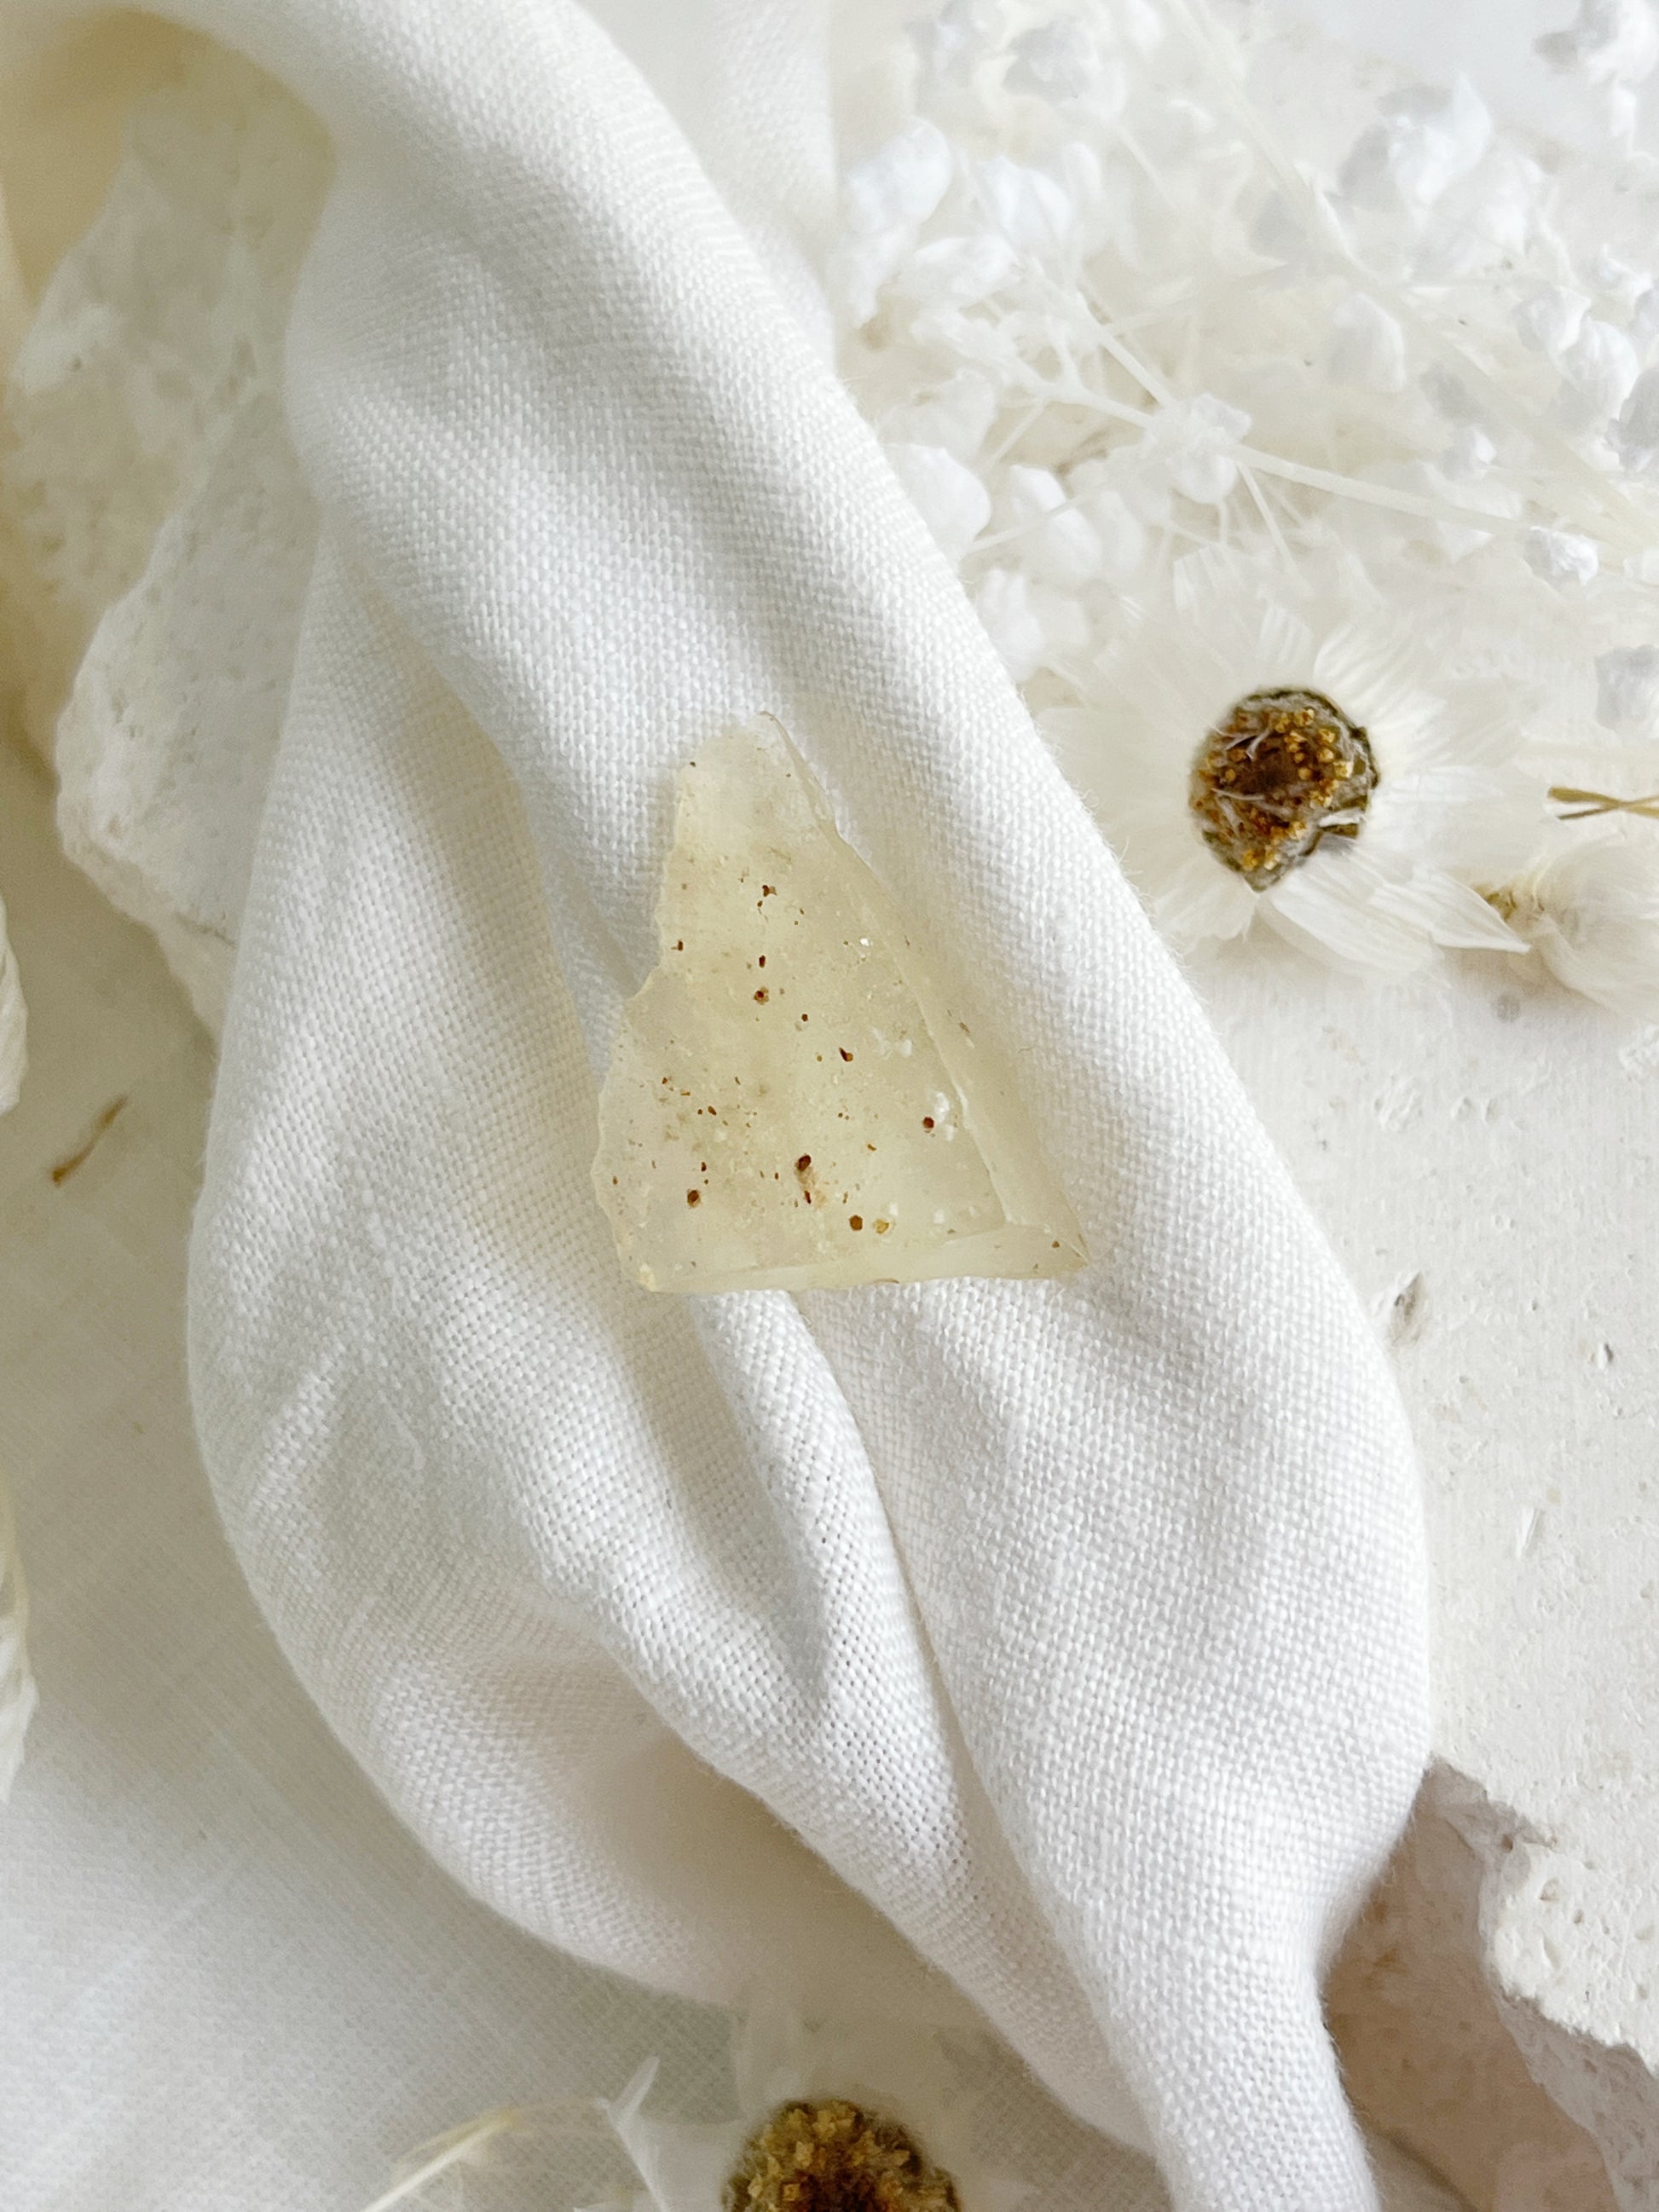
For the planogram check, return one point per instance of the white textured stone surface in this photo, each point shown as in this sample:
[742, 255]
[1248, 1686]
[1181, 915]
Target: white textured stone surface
[156, 533]
[1485, 1153]
[1426, 2051]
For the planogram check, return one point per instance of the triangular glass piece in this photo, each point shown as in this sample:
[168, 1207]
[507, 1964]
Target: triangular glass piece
[792, 1102]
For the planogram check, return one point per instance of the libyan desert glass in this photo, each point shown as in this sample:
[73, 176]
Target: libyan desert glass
[793, 1101]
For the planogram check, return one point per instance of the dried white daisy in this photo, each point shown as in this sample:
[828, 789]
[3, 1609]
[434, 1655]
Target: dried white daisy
[1256, 757]
[830, 2114]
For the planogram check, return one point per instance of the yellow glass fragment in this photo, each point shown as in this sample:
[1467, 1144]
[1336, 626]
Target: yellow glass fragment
[793, 1104]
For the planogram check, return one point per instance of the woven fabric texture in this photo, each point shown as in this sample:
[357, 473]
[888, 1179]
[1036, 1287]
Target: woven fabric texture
[1062, 1644]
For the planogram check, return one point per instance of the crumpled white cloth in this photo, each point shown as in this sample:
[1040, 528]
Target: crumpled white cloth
[1075, 1633]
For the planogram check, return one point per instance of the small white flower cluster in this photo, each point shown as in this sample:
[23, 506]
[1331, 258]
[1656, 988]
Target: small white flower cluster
[1220, 378]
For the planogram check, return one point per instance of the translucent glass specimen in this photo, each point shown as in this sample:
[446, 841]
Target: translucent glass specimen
[793, 1102]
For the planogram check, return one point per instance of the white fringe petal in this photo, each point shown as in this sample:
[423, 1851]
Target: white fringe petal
[17, 1692]
[14, 1024]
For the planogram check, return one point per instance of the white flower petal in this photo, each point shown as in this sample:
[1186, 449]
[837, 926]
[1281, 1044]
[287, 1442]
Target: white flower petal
[1366, 346]
[1028, 625]
[1203, 899]
[14, 1024]
[948, 43]
[960, 271]
[1636, 439]
[954, 503]
[1469, 456]
[684, 2168]
[1121, 536]
[1326, 906]
[1285, 648]
[1644, 320]
[1032, 210]
[1057, 61]
[1597, 372]
[1033, 492]
[903, 182]
[957, 416]
[1550, 320]
[1424, 142]
[1251, 637]
[859, 267]
[17, 1693]
[1565, 558]
[1059, 543]
[1608, 41]
[1627, 688]
[1448, 911]
[1368, 670]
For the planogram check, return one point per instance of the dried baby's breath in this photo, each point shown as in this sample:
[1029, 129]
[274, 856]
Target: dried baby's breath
[1170, 320]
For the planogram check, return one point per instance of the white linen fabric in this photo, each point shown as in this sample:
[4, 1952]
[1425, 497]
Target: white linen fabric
[1073, 1632]
[230, 1979]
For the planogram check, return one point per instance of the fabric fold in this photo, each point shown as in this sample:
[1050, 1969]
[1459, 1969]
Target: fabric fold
[1063, 1642]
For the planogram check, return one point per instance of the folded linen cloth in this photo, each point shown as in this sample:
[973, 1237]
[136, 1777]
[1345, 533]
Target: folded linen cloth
[1075, 1632]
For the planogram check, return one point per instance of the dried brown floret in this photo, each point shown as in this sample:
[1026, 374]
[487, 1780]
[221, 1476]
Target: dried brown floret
[832, 2156]
[1280, 771]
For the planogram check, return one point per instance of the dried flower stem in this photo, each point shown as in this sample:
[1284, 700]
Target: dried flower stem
[447, 2150]
[1580, 806]
[1079, 394]
[573, 2115]
[1270, 520]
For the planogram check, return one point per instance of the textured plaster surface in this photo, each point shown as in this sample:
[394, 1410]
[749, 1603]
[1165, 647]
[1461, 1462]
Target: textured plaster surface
[1483, 1150]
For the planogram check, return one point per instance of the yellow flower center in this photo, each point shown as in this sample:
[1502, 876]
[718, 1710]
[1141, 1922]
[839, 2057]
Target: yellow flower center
[830, 2156]
[1280, 771]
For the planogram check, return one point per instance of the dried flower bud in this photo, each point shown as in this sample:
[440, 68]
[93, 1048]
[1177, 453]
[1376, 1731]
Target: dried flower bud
[1591, 911]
